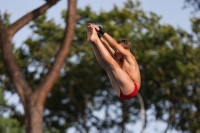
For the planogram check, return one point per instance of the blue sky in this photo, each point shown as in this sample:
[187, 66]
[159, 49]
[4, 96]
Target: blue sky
[170, 10]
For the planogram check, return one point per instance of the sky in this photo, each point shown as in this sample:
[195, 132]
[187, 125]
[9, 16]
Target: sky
[172, 13]
[170, 10]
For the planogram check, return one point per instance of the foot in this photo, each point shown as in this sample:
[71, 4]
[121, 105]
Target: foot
[91, 34]
[96, 27]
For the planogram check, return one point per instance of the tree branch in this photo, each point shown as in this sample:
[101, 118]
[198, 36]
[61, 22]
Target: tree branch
[171, 120]
[143, 112]
[13, 69]
[46, 85]
[30, 16]
[1, 22]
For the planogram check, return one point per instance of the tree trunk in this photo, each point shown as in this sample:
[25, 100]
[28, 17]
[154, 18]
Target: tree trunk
[33, 101]
[34, 115]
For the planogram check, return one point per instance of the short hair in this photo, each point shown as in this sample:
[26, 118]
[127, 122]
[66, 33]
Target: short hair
[126, 44]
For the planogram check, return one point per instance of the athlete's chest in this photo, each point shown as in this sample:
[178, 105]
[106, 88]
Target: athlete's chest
[125, 65]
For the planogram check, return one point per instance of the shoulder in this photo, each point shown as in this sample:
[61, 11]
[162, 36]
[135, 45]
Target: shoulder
[130, 58]
[128, 54]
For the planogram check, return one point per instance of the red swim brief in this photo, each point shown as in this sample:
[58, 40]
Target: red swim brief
[131, 95]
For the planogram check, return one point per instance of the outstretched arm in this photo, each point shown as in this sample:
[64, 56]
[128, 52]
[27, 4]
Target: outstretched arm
[114, 43]
[105, 43]
[111, 41]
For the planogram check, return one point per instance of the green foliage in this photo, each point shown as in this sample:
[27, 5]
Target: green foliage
[2, 101]
[9, 125]
[83, 98]
[167, 58]
[193, 3]
[5, 19]
[3, 76]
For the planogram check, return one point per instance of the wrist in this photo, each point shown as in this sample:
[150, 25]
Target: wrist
[99, 35]
[101, 30]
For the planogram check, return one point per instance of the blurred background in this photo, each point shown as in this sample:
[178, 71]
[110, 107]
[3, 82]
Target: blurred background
[165, 36]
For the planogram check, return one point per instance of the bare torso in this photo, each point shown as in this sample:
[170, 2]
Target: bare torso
[130, 66]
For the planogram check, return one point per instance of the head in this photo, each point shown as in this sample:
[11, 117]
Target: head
[126, 44]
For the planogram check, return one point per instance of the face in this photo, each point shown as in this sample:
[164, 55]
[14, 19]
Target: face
[118, 54]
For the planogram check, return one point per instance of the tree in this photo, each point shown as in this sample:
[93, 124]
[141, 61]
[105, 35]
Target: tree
[168, 59]
[7, 125]
[194, 3]
[168, 62]
[33, 99]
[164, 55]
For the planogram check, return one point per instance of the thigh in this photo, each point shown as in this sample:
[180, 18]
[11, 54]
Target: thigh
[120, 81]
